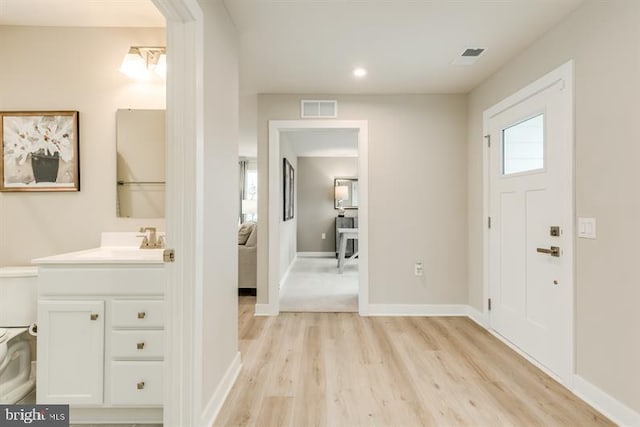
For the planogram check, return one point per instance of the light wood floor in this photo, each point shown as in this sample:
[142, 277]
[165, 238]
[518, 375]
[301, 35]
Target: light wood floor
[324, 369]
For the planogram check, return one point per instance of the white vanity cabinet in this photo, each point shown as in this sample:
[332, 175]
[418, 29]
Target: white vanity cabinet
[101, 339]
[71, 340]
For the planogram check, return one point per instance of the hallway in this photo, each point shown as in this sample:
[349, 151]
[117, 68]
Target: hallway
[313, 284]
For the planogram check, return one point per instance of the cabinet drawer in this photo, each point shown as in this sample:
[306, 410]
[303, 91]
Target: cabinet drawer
[137, 344]
[136, 383]
[137, 314]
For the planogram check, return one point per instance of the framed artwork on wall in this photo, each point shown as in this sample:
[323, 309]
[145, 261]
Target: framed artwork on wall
[288, 189]
[40, 151]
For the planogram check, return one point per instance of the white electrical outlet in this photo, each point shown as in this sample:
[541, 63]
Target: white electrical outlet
[324, 236]
[418, 269]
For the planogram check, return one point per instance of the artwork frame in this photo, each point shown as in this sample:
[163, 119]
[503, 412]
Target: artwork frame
[288, 190]
[39, 151]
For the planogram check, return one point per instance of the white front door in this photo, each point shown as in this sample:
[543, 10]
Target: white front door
[531, 221]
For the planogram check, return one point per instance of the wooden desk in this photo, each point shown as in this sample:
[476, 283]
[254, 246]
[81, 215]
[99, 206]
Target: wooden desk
[345, 234]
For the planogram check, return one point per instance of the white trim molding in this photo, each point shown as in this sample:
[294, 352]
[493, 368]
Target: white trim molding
[222, 391]
[286, 273]
[266, 310]
[185, 106]
[421, 310]
[316, 254]
[477, 316]
[610, 407]
[274, 207]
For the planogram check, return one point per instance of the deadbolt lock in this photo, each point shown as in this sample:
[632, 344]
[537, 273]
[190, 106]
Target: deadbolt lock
[554, 231]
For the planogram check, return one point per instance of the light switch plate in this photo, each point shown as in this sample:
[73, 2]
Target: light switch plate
[587, 228]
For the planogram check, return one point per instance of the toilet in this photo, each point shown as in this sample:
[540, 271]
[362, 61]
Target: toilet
[18, 302]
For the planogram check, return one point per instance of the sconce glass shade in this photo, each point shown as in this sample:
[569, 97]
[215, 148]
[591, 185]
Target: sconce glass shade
[134, 64]
[161, 66]
[141, 60]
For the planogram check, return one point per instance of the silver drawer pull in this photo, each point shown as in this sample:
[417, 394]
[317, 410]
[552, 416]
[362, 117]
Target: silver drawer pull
[142, 315]
[140, 346]
[94, 316]
[140, 385]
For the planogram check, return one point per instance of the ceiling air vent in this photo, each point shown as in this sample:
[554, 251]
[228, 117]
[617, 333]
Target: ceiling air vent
[318, 109]
[468, 57]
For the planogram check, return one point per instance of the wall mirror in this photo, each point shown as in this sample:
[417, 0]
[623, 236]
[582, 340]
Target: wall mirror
[140, 141]
[345, 193]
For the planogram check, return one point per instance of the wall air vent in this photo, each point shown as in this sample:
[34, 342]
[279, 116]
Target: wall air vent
[318, 109]
[468, 56]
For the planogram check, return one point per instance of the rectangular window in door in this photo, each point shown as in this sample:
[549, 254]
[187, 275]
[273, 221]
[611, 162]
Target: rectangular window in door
[523, 146]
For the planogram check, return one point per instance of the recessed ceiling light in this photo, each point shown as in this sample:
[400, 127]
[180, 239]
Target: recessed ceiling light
[359, 72]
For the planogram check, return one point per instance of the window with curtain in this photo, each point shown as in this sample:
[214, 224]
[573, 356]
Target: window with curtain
[248, 190]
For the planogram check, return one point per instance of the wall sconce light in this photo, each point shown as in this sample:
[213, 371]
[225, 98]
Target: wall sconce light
[141, 60]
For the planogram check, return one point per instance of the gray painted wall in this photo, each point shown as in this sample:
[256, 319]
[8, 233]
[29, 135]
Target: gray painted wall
[602, 37]
[316, 201]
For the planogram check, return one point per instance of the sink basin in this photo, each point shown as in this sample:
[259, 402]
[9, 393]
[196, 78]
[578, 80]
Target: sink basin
[119, 253]
[115, 248]
[106, 255]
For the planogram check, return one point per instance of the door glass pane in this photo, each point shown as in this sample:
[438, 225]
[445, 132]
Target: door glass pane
[523, 146]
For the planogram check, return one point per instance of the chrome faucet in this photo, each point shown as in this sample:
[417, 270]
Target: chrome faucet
[151, 240]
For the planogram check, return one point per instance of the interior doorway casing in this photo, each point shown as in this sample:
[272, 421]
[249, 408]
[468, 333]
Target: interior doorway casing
[184, 203]
[562, 76]
[273, 279]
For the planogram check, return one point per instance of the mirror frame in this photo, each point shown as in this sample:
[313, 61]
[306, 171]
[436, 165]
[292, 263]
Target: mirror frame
[352, 180]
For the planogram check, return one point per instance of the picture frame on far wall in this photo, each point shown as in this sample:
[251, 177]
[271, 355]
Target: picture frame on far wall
[39, 151]
[288, 187]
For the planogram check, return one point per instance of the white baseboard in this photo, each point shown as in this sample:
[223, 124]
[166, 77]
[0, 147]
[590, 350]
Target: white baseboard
[286, 273]
[222, 391]
[426, 310]
[566, 384]
[477, 316]
[316, 254]
[615, 410]
[265, 310]
[610, 407]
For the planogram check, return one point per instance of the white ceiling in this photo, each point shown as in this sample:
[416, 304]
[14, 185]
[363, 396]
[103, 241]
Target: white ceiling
[311, 46]
[81, 13]
[323, 142]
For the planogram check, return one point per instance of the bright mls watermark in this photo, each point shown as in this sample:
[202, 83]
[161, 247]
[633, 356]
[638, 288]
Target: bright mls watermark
[34, 415]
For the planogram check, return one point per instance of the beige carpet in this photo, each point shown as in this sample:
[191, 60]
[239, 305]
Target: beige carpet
[314, 285]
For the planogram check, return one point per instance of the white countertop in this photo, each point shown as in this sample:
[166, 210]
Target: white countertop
[105, 255]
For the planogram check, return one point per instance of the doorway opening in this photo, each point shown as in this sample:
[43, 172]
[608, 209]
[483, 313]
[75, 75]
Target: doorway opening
[315, 274]
[317, 196]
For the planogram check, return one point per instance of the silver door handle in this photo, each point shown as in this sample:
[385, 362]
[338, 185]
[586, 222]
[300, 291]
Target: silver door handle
[553, 251]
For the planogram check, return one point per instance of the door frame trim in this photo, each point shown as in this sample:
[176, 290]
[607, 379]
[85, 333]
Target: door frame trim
[182, 390]
[564, 75]
[273, 279]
